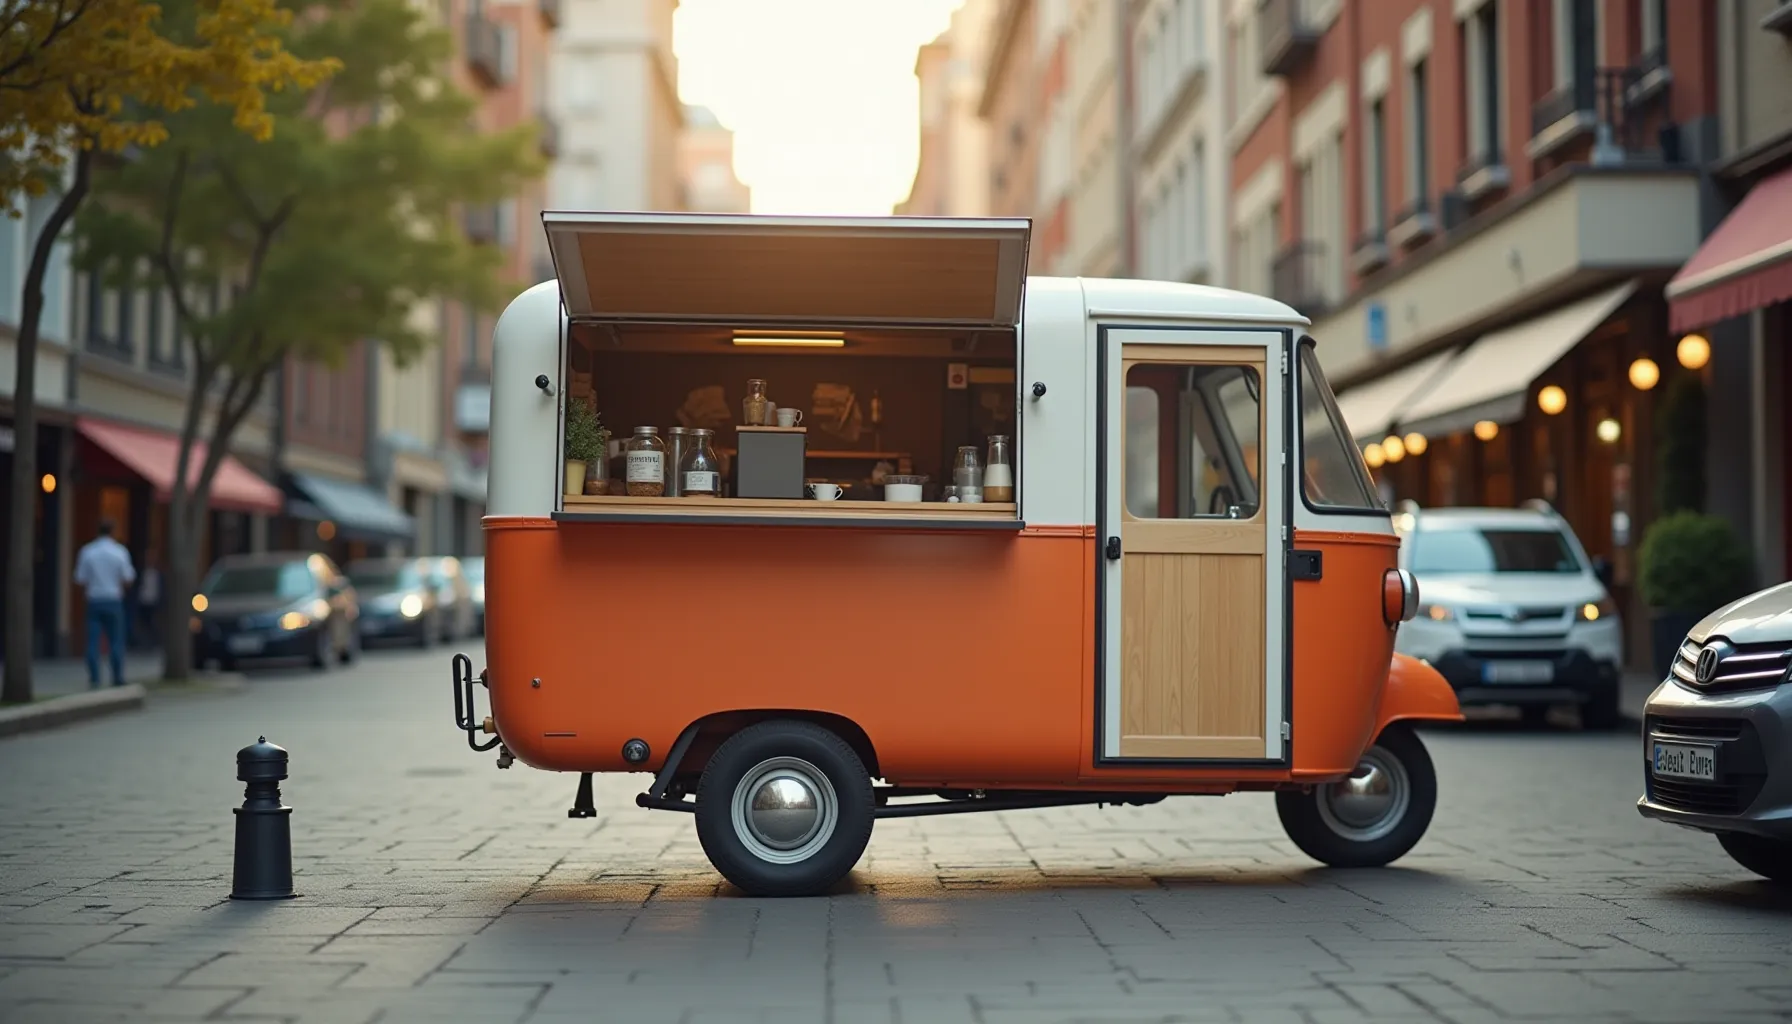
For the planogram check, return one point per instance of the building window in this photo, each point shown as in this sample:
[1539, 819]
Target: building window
[1652, 23]
[108, 317]
[1481, 84]
[1321, 272]
[1375, 171]
[163, 343]
[1418, 136]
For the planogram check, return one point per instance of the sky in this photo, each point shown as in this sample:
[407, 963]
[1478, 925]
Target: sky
[821, 94]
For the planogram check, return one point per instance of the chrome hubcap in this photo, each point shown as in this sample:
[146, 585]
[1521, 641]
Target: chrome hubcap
[1371, 802]
[784, 810]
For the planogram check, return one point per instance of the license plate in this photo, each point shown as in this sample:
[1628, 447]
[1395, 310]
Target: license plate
[1518, 671]
[245, 644]
[1676, 761]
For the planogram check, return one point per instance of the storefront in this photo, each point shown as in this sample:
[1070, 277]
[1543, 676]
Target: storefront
[344, 519]
[126, 474]
[48, 583]
[1740, 281]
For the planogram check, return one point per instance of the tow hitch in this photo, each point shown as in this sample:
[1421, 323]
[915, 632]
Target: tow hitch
[466, 717]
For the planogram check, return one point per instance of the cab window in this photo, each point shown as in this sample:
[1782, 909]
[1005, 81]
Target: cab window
[1333, 474]
[1192, 447]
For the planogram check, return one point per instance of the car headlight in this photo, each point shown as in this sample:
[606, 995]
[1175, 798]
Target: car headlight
[294, 620]
[1593, 611]
[1437, 613]
[411, 606]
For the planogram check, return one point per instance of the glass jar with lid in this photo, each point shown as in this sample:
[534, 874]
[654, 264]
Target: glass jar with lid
[700, 473]
[998, 470]
[678, 441]
[752, 407]
[967, 467]
[646, 464]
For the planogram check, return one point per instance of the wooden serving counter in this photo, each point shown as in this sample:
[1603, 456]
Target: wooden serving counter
[792, 511]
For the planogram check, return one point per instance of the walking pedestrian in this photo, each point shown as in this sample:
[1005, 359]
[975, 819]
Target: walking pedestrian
[104, 570]
[149, 600]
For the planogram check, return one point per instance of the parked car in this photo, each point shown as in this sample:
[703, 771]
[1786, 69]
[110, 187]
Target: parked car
[474, 568]
[397, 601]
[1512, 611]
[453, 593]
[1717, 733]
[275, 605]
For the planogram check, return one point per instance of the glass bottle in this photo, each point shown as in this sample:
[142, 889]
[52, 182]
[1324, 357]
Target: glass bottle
[678, 441]
[967, 467]
[752, 407]
[646, 464]
[700, 471]
[998, 469]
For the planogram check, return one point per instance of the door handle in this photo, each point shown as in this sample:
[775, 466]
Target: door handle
[1113, 549]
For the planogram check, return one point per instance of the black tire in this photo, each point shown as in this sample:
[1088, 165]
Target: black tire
[1769, 858]
[827, 854]
[1534, 716]
[1601, 713]
[1317, 828]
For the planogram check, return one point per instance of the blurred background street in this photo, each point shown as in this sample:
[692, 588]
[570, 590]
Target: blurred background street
[436, 887]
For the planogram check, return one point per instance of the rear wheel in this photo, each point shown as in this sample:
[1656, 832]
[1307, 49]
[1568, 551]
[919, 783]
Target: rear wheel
[1371, 818]
[784, 809]
[1769, 858]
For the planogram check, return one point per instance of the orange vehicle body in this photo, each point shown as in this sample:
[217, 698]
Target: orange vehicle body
[965, 659]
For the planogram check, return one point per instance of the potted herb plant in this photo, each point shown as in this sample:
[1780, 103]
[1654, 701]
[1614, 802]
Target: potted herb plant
[1691, 565]
[586, 442]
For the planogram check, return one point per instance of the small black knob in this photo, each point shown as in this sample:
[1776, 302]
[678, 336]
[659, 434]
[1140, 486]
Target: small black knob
[1038, 389]
[542, 382]
[635, 751]
[1113, 550]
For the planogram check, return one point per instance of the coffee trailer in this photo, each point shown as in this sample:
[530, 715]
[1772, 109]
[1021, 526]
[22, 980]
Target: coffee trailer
[1194, 590]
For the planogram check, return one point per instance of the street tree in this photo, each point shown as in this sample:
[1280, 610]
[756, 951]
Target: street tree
[83, 78]
[327, 237]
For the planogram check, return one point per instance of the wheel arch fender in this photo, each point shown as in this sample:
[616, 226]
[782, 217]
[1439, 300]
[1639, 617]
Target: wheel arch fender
[1416, 692]
[709, 732]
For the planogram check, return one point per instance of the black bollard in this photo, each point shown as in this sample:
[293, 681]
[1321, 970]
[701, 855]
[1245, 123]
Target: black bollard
[582, 804]
[263, 826]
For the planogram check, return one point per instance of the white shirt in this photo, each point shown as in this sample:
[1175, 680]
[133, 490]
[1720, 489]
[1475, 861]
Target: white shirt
[104, 568]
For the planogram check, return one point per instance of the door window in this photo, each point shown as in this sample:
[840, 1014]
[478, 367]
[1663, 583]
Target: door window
[1193, 441]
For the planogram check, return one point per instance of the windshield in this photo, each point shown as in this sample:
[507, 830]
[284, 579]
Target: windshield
[1440, 552]
[384, 577]
[291, 580]
[1332, 471]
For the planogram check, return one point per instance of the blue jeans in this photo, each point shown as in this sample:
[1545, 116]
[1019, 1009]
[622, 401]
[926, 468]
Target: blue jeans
[105, 617]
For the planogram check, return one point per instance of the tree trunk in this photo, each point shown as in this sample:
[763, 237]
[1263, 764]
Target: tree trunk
[181, 583]
[21, 540]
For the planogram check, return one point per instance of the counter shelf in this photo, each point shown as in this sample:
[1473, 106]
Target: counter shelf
[931, 515]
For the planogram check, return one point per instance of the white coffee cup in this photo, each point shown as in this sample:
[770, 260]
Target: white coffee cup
[824, 492]
[789, 417]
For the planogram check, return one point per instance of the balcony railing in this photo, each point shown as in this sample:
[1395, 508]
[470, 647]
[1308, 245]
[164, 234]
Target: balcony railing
[1297, 277]
[1557, 112]
[550, 12]
[481, 222]
[1290, 34]
[549, 134]
[485, 49]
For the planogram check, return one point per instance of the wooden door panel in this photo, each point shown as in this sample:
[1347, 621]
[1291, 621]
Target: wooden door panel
[1192, 653]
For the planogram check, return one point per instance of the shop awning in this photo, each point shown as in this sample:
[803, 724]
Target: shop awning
[743, 269]
[358, 512]
[154, 455]
[1745, 265]
[1372, 407]
[1490, 379]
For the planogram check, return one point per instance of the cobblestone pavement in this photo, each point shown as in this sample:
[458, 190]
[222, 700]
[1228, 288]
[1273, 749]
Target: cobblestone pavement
[436, 888]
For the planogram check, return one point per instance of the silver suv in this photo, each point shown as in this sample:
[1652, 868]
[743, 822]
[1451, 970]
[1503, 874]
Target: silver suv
[1717, 735]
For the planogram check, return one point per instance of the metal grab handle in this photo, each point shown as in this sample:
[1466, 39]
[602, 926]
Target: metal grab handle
[464, 711]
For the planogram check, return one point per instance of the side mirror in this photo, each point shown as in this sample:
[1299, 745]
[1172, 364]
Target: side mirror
[1602, 568]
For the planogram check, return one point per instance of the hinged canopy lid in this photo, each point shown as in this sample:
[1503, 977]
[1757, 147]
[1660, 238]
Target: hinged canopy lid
[688, 267]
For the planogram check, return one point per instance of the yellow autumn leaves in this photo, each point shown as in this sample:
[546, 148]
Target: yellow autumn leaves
[95, 74]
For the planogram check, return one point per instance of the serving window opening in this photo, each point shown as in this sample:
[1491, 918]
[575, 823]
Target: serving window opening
[733, 420]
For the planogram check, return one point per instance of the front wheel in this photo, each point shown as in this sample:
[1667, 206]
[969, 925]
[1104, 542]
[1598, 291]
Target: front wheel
[784, 809]
[1769, 858]
[1371, 818]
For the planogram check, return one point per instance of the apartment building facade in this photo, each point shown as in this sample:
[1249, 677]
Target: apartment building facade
[706, 176]
[952, 176]
[1180, 156]
[1480, 204]
[616, 100]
